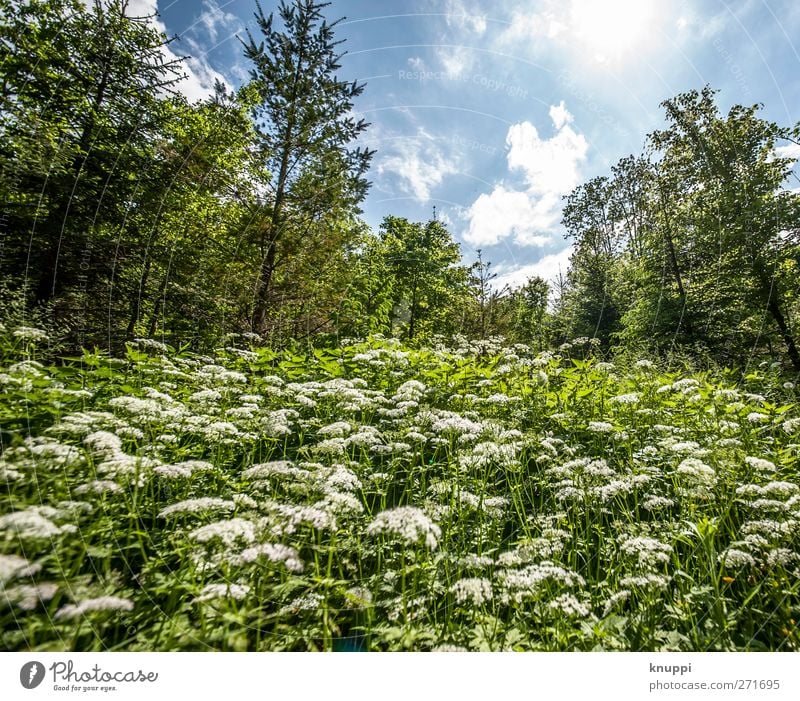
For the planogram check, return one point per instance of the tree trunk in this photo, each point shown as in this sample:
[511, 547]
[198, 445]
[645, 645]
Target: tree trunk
[775, 309]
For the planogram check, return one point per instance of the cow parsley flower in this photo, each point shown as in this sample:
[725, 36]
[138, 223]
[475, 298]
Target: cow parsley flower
[227, 532]
[407, 523]
[760, 464]
[211, 592]
[473, 590]
[99, 604]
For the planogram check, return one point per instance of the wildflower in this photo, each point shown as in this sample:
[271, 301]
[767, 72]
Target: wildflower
[473, 590]
[99, 604]
[409, 524]
[615, 600]
[309, 602]
[632, 398]
[13, 566]
[29, 524]
[30, 333]
[98, 487]
[29, 596]
[277, 553]
[647, 551]
[600, 427]
[211, 592]
[735, 559]
[200, 504]
[645, 581]
[227, 532]
[338, 428]
[697, 472]
[755, 417]
[760, 464]
[569, 605]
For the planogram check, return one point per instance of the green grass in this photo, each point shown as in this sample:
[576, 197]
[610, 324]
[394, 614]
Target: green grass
[378, 498]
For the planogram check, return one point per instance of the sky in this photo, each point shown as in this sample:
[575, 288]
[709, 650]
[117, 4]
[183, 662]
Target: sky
[492, 110]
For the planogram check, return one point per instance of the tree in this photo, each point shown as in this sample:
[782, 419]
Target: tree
[430, 285]
[693, 243]
[305, 128]
[85, 96]
[530, 312]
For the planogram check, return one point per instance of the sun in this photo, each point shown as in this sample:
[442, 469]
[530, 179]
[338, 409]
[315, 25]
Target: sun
[612, 29]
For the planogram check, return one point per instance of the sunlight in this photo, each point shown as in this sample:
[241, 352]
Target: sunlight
[612, 28]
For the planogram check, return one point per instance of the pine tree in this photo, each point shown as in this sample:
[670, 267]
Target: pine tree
[305, 131]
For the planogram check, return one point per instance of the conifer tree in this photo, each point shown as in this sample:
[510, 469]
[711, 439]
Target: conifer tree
[305, 129]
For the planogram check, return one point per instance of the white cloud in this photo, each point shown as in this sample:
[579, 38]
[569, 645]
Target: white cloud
[550, 168]
[200, 76]
[416, 63]
[560, 115]
[547, 267]
[788, 151]
[526, 26]
[460, 15]
[550, 165]
[455, 60]
[214, 18]
[419, 165]
[505, 213]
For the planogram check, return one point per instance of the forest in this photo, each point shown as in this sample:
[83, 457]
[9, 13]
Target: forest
[274, 427]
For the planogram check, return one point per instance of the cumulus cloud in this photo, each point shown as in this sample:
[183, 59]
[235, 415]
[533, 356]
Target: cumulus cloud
[549, 165]
[550, 168]
[418, 163]
[504, 213]
[548, 267]
[200, 75]
[789, 151]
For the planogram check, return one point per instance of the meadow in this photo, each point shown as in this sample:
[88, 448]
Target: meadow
[375, 497]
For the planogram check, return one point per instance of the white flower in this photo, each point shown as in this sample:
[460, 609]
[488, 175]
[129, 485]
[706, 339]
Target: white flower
[29, 596]
[632, 398]
[615, 600]
[647, 551]
[98, 487]
[645, 581]
[734, 559]
[29, 333]
[104, 443]
[275, 552]
[474, 590]
[697, 472]
[408, 523]
[568, 604]
[102, 603]
[227, 532]
[600, 427]
[199, 504]
[760, 464]
[13, 566]
[211, 592]
[755, 417]
[338, 428]
[30, 524]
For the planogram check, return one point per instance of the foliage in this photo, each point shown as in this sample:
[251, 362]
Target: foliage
[373, 497]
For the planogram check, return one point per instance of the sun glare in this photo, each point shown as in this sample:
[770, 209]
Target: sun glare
[611, 29]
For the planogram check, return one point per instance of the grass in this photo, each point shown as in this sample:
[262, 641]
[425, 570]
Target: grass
[372, 497]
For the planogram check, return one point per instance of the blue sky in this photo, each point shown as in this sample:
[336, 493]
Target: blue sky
[492, 111]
